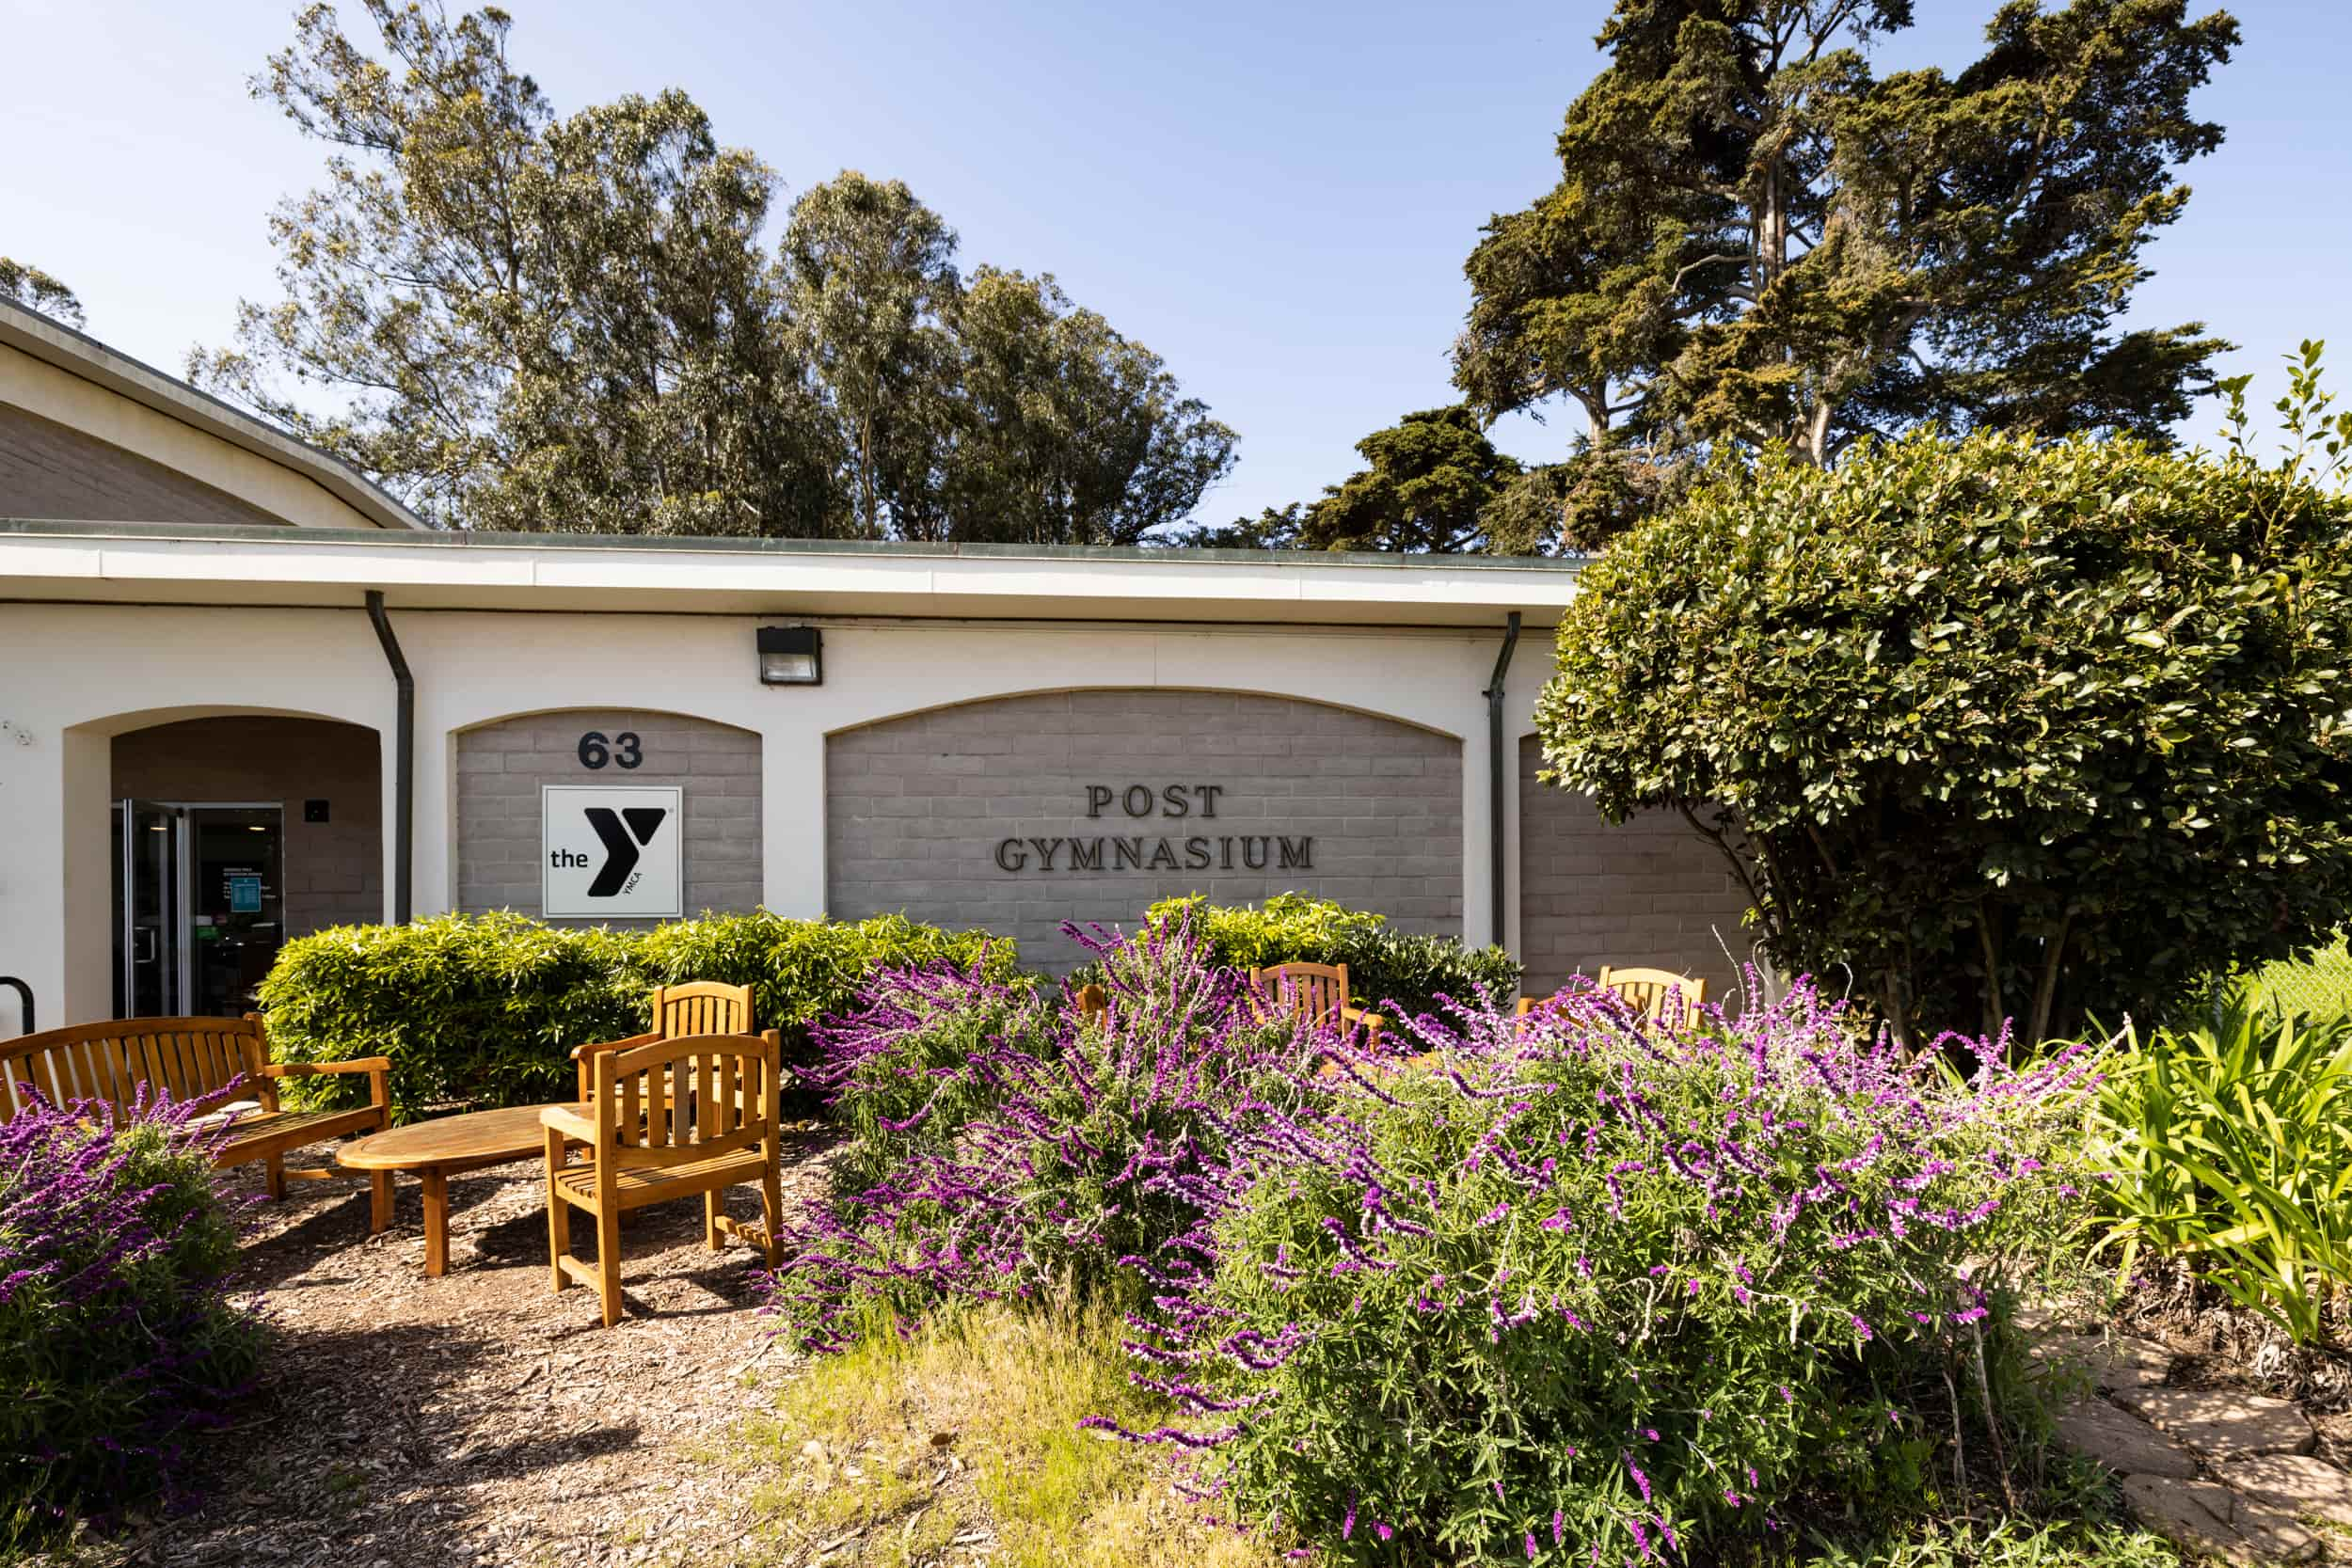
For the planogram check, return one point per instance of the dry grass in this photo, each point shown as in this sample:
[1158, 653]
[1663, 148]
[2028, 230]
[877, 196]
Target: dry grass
[961, 1445]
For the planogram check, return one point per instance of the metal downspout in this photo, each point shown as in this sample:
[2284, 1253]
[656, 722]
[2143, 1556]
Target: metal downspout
[404, 758]
[1495, 774]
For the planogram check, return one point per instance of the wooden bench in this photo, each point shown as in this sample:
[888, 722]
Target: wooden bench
[190, 1058]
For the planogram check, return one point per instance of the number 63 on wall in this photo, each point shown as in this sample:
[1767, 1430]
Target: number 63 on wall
[595, 751]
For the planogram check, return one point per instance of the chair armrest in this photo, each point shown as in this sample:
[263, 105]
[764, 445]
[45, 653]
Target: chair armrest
[321, 1070]
[581, 1052]
[563, 1119]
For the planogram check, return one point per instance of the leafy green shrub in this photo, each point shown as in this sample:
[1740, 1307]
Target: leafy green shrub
[2231, 1144]
[2004, 727]
[485, 1009]
[1589, 1289]
[117, 1338]
[1385, 968]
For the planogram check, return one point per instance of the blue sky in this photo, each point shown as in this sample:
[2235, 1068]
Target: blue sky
[1276, 198]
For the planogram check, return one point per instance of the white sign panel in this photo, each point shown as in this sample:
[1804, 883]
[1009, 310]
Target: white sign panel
[610, 852]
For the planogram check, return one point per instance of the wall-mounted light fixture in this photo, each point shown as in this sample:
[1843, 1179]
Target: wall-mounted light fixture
[790, 655]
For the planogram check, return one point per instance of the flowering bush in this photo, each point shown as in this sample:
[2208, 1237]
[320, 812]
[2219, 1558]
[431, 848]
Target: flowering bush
[116, 1338]
[1576, 1288]
[899, 1073]
[1005, 1147]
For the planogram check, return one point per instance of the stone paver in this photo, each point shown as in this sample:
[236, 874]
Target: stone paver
[2218, 1472]
[2205, 1516]
[2301, 1485]
[2122, 1443]
[2222, 1424]
[2118, 1363]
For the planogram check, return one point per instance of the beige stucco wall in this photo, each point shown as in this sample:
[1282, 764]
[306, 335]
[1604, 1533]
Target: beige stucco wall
[130, 667]
[200, 461]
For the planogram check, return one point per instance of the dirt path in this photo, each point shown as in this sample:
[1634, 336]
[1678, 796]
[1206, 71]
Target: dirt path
[481, 1419]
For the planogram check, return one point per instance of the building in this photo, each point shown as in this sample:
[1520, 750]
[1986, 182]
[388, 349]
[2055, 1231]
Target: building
[243, 696]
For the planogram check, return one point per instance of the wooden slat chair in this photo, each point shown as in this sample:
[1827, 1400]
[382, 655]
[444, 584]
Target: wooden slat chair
[1644, 989]
[192, 1057]
[1316, 991]
[696, 1007]
[665, 1119]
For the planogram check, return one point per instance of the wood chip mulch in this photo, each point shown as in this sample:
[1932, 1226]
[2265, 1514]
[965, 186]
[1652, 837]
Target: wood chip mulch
[481, 1418]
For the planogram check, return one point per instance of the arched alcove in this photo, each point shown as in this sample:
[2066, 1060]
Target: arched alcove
[1019, 813]
[229, 834]
[504, 765]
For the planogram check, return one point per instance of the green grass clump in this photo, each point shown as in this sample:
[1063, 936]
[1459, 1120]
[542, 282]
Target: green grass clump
[1006, 1388]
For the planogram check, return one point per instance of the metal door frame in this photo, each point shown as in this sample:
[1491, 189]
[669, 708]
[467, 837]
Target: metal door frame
[182, 914]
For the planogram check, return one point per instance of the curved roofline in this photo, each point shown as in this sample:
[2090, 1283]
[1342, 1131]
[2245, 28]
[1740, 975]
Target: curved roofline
[78, 354]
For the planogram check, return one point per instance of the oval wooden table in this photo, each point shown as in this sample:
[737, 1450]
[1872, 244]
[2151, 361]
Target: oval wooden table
[447, 1147]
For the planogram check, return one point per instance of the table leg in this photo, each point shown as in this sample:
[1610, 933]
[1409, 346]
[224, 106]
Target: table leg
[436, 1222]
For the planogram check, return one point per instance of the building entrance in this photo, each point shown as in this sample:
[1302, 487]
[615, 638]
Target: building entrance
[199, 905]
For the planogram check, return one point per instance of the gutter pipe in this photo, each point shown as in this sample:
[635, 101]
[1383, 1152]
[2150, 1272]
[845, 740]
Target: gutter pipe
[1495, 777]
[404, 758]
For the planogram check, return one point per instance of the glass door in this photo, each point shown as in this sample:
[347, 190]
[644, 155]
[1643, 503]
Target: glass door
[236, 910]
[199, 906]
[152, 960]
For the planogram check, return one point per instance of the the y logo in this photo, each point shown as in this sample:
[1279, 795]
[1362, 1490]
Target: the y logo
[611, 854]
[621, 843]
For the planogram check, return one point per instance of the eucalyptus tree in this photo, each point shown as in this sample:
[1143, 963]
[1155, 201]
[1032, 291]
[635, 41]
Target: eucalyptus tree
[868, 276]
[22, 283]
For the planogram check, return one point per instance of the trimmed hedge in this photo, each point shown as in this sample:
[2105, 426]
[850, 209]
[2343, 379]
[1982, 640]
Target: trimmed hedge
[485, 1009]
[1387, 971]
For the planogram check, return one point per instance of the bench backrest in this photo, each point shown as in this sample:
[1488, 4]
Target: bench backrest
[187, 1056]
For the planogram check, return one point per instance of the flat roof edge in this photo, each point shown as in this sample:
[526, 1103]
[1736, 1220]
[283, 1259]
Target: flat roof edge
[1141, 555]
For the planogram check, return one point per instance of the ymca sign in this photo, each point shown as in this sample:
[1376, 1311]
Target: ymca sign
[610, 853]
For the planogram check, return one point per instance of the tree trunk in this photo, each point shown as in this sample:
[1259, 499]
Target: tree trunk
[2046, 993]
[1996, 1005]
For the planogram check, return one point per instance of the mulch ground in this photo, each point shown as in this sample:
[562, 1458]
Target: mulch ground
[481, 1418]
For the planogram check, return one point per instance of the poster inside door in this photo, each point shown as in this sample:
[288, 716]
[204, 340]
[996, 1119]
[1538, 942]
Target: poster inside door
[610, 853]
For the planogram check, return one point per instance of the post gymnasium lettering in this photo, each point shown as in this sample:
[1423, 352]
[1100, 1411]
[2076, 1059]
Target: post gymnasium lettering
[1157, 852]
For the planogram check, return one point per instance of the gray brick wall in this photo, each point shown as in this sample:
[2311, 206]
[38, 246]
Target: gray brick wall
[1650, 892]
[48, 470]
[334, 870]
[501, 766]
[918, 806]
